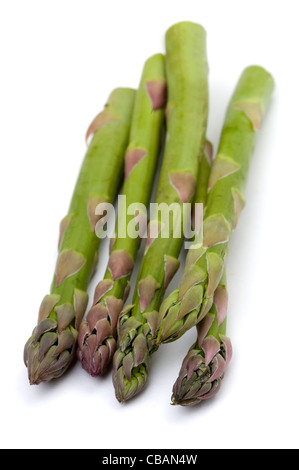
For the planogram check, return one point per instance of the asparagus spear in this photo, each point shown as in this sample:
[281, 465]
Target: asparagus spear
[97, 333]
[189, 303]
[51, 348]
[204, 366]
[187, 109]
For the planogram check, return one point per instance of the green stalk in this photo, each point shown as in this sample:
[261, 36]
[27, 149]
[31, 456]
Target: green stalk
[51, 348]
[189, 303]
[187, 109]
[97, 333]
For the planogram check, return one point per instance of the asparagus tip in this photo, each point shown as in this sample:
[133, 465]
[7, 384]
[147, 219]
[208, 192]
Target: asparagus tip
[127, 387]
[201, 374]
[96, 344]
[48, 353]
[95, 362]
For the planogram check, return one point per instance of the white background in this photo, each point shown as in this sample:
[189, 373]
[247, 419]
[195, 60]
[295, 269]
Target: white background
[59, 62]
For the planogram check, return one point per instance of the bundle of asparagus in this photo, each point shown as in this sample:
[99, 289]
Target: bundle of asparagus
[128, 136]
